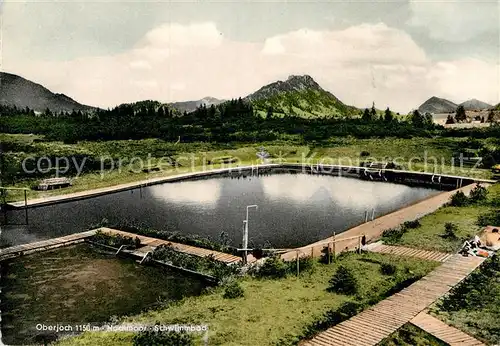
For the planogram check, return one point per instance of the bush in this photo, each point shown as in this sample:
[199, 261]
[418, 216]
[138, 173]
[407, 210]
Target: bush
[490, 218]
[470, 294]
[393, 235]
[388, 269]
[274, 268]
[219, 245]
[450, 230]
[207, 265]
[459, 199]
[160, 338]
[233, 291]
[115, 240]
[364, 154]
[326, 255]
[306, 264]
[344, 282]
[478, 194]
[412, 224]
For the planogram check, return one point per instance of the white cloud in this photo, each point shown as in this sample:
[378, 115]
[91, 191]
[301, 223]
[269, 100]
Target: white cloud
[176, 35]
[359, 64]
[455, 21]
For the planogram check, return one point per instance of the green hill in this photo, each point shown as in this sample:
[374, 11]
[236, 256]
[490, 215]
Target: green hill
[300, 96]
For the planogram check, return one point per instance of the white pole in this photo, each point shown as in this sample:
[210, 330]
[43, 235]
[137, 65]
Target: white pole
[373, 213]
[245, 241]
[245, 233]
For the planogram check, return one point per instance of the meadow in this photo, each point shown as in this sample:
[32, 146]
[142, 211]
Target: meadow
[96, 164]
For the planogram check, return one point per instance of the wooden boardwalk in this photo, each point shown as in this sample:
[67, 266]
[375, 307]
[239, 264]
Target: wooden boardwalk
[18, 250]
[450, 335]
[408, 251]
[373, 325]
[191, 250]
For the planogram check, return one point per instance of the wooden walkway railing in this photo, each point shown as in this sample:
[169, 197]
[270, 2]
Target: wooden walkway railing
[450, 335]
[378, 322]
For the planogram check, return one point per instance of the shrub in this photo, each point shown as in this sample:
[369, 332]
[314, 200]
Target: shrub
[207, 265]
[450, 230]
[489, 218]
[388, 269]
[306, 264]
[115, 240]
[470, 294]
[344, 282]
[161, 338]
[326, 255]
[459, 199]
[393, 235]
[222, 244]
[495, 202]
[258, 253]
[274, 267]
[233, 291]
[478, 194]
[412, 224]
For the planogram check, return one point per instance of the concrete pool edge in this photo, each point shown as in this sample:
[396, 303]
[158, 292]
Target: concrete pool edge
[187, 176]
[373, 229]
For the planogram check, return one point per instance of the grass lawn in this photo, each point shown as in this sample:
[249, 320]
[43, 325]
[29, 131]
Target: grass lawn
[413, 336]
[271, 309]
[474, 305]
[429, 235]
[419, 154]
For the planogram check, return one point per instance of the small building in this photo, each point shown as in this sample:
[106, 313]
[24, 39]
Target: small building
[53, 183]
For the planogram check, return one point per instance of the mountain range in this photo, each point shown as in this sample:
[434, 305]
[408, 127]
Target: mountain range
[438, 105]
[189, 106]
[22, 93]
[475, 105]
[298, 95]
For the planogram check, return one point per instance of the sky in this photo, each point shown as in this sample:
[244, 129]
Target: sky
[394, 53]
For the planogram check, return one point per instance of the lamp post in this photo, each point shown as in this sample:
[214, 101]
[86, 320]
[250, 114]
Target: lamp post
[245, 233]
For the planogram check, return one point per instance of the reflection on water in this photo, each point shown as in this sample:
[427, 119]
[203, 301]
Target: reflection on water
[190, 193]
[294, 209]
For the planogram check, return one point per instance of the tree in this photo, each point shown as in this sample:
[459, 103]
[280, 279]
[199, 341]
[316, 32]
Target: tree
[460, 114]
[270, 112]
[388, 117]
[429, 121]
[47, 112]
[491, 116]
[344, 281]
[450, 119]
[373, 112]
[416, 118]
[366, 115]
[478, 194]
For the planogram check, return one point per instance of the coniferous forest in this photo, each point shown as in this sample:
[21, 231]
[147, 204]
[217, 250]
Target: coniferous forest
[231, 121]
